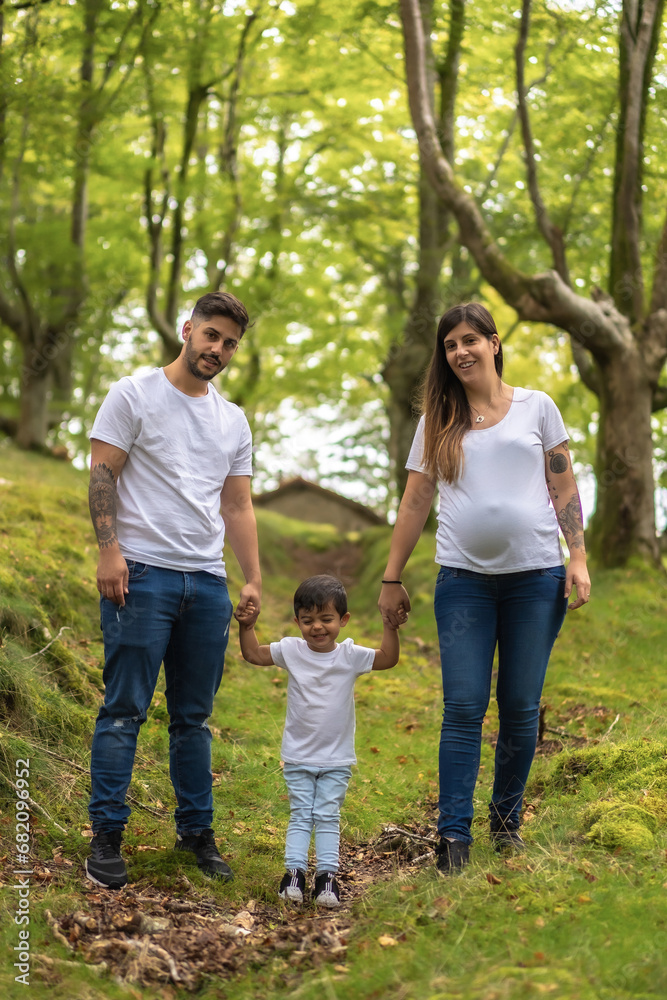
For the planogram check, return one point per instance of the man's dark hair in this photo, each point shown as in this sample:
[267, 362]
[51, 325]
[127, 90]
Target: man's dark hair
[317, 592]
[221, 304]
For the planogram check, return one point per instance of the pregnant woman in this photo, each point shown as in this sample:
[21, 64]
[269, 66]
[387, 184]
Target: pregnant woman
[499, 457]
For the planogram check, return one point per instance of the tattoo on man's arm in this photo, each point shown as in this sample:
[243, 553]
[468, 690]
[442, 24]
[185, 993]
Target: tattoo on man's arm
[571, 523]
[103, 502]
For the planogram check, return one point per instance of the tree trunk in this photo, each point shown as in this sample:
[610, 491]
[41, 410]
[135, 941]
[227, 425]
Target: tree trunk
[47, 328]
[405, 366]
[402, 372]
[624, 522]
[33, 422]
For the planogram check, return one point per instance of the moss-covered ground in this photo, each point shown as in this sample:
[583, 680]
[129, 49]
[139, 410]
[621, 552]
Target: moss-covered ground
[582, 915]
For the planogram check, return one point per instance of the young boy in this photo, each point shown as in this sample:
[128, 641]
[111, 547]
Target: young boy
[318, 740]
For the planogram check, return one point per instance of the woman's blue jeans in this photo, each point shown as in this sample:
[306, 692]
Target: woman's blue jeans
[316, 795]
[521, 614]
[181, 619]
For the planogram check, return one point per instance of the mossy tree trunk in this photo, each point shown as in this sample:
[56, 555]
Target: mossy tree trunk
[624, 522]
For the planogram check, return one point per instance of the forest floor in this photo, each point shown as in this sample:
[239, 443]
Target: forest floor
[147, 936]
[580, 915]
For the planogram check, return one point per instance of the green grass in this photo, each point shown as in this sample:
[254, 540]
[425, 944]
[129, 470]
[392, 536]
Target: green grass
[583, 914]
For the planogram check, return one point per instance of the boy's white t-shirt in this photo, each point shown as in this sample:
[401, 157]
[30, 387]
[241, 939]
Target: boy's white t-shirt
[319, 724]
[497, 517]
[180, 450]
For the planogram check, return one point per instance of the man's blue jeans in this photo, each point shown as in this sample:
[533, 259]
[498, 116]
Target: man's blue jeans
[181, 619]
[316, 795]
[521, 614]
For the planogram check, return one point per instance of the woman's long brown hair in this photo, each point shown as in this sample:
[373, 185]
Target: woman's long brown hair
[445, 406]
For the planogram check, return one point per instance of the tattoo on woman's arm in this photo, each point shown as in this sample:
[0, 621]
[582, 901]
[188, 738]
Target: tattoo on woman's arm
[571, 523]
[558, 462]
[103, 503]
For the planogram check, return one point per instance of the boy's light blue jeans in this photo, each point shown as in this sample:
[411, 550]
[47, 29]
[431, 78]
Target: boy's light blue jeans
[316, 795]
[522, 614]
[183, 619]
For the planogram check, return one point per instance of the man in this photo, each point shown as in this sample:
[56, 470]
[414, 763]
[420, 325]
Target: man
[171, 462]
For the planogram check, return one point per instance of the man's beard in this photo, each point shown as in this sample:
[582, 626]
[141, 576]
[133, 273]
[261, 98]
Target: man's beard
[192, 358]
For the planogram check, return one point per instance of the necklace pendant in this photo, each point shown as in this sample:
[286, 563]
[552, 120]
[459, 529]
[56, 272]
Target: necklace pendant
[479, 419]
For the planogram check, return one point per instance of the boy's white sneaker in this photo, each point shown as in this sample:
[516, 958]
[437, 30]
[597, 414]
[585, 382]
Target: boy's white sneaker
[327, 891]
[293, 885]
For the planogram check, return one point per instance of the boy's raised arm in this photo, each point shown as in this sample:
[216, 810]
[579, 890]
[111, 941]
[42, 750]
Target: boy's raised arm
[387, 655]
[251, 649]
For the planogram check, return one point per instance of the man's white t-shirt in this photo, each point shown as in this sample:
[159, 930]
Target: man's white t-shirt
[180, 450]
[319, 724]
[497, 517]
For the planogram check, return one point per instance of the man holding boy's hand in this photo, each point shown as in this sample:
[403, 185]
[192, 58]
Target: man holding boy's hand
[171, 462]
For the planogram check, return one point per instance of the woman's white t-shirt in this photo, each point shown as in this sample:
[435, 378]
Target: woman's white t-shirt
[319, 724]
[497, 517]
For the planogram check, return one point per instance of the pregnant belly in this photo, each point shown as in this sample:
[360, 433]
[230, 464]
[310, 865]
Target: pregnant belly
[485, 533]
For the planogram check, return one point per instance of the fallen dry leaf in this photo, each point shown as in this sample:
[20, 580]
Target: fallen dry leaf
[493, 879]
[244, 919]
[387, 941]
[441, 903]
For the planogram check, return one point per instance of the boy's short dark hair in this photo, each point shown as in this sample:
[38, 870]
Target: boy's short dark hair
[318, 591]
[221, 304]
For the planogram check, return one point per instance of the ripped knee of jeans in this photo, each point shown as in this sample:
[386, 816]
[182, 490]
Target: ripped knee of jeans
[121, 723]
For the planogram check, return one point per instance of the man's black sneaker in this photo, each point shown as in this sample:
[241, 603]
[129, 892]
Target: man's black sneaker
[326, 891]
[507, 839]
[105, 865]
[203, 847]
[293, 885]
[451, 856]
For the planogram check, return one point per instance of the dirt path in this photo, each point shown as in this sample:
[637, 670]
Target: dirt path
[341, 561]
[180, 939]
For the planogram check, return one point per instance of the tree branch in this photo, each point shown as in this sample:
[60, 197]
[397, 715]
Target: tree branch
[583, 174]
[29, 4]
[640, 28]
[196, 96]
[228, 155]
[132, 59]
[537, 82]
[26, 322]
[155, 226]
[659, 401]
[543, 297]
[552, 234]
[659, 291]
[589, 371]
[448, 75]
